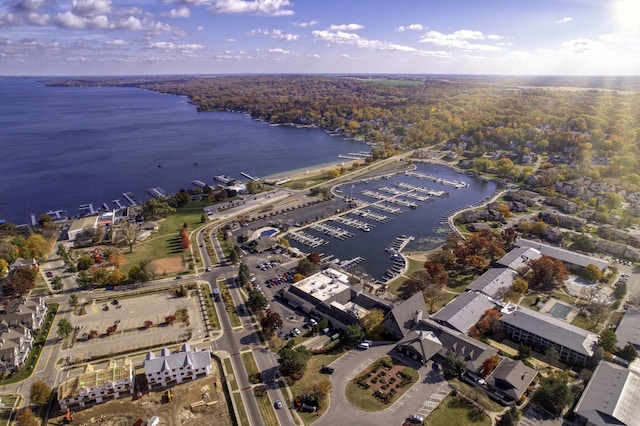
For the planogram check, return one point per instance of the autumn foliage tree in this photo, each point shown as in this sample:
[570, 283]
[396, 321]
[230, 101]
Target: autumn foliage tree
[488, 325]
[185, 242]
[21, 281]
[489, 364]
[547, 273]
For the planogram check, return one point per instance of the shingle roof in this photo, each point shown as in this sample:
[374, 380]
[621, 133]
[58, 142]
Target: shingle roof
[611, 397]
[464, 311]
[629, 328]
[512, 377]
[494, 282]
[518, 258]
[403, 314]
[197, 359]
[566, 256]
[552, 329]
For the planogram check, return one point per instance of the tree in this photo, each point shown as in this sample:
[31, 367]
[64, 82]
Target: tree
[27, 418]
[520, 285]
[65, 328]
[453, 366]
[156, 208]
[592, 273]
[257, 301]
[305, 267]
[116, 277]
[116, 259]
[4, 267]
[56, 283]
[489, 324]
[552, 356]
[620, 290]
[130, 232]
[84, 262]
[547, 273]
[628, 352]
[244, 274]
[553, 395]
[39, 393]
[314, 257]
[608, 340]
[372, 322]
[489, 364]
[73, 300]
[353, 335]
[20, 282]
[293, 362]
[613, 200]
[36, 246]
[83, 280]
[138, 273]
[509, 418]
[524, 351]
[271, 322]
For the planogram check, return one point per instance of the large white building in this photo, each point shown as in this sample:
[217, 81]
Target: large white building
[169, 369]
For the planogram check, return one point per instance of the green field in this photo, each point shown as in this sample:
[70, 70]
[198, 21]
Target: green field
[242, 413]
[454, 412]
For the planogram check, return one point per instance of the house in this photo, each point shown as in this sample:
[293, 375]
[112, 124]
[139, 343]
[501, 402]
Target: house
[430, 340]
[512, 378]
[494, 283]
[477, 227]
[15, 345]
[518, 258]
[78, 226]
[628, 330]
[402, 318]
[464, 311]
[96, 386]
[572, 259]
[540, 331]
[22, 311]
[169, 369]
[22, 263]
[610, 398]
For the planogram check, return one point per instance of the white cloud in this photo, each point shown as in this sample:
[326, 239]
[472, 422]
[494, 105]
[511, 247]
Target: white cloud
[342, 37]
[564, 20]
[257, 7]
[305, 24]
[183, 12]
[460, 40]
[279, 51]
[69, 21]
[230, 40]
[168, 46]
[28, 5]
[90, 7]
[411, 27]
[580, 45]
[117, 43]
[276, 34]
[130, 23]
[191, 2]
[346, 27]
[39, 19]
[199, 28]
[346, 56]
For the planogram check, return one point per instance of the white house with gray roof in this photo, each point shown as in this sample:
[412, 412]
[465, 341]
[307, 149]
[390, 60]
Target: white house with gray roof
[540, 331]
[610, 398]
[464, 311]
[170, 369]
[494, 283]
[570, 258]
[518, 259]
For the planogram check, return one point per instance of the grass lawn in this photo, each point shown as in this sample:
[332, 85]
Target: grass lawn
[477, 394]
[228, 303]
[266, 409]
[242, 413]
[446, 298]
[460, 281]
[529, 300]
[250, 363]
[310, 379]
[451, 411]
[364, 399]
[584, 323]
[211, 308]
[564, 297]
[8, 399]
[162, 243]
[233, 384]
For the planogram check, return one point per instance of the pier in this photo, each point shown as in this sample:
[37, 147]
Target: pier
[248, 176]
[86, 209]
[421, 189]
[332, 231]
[307, 239]
[199, 183]
[399, 244]
[455, 183]
[387, 208]
[348, 264]
[368, 214]
[407, 194]
[131, 198]
[354, 223]
[117, 203]
[157, 192]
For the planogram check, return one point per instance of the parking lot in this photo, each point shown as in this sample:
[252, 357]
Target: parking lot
[129, 316]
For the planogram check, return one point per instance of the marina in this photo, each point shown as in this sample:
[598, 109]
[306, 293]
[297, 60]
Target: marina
[332, 231]
[348, 264]
[387, 208]
[399, 244]
[406, 194]
[131, 198]
[354, 223]
[428, 191]
[199, 183]
[307, 239]
[455, 183]
[368, 214]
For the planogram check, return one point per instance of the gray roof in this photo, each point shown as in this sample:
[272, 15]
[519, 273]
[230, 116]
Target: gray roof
[512, 377]
[629, 328]
[464, 311]
[518, 258]
[423, 342]
[552, 329]
[566, 256]
[494, 282]
[403, 316]
[611, 397]
[186, 357]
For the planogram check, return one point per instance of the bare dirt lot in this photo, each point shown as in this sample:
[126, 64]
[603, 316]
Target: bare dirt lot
[168, 265]
[201, 402]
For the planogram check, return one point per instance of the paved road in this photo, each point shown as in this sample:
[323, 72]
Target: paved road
[423, 397]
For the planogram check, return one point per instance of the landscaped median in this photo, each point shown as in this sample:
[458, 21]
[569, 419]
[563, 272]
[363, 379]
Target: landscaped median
[380, 384]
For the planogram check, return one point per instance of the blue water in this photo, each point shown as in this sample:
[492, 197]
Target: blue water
[65, 146]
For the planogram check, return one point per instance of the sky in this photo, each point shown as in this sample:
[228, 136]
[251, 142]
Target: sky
[150, 37]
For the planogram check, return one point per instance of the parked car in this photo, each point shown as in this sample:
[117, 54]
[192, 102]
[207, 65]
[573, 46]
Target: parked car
[278, 404]
[326, 370]
[414, 418]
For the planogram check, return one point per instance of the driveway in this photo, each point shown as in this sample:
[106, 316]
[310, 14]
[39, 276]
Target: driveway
[423, 396]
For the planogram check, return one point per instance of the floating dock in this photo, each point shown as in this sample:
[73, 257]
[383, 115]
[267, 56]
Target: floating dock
[199, 183]
[422, 189]
[157, 192]
[86, 209]
[387, 208]
[332, 231]
[307, 239]
[248, 176]
[131, 198]
[347, 264]
[399, 244]
[354, 223]
[368, 214]
[117, 203]
[455, 183]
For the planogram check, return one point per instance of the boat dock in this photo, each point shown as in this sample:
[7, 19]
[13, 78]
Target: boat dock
[354, 223]
[86, 209]
[157, 192]
[368, 214]
[422, 189]
[332, 231]
[407, 194]
[374, 194]
[117, 203]
[455, 183]
[131, 198]
[223, 179]
[399, 244]
[199, 183]
[347, 264]
[307, 239]
[248, 176]
[387, 208]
